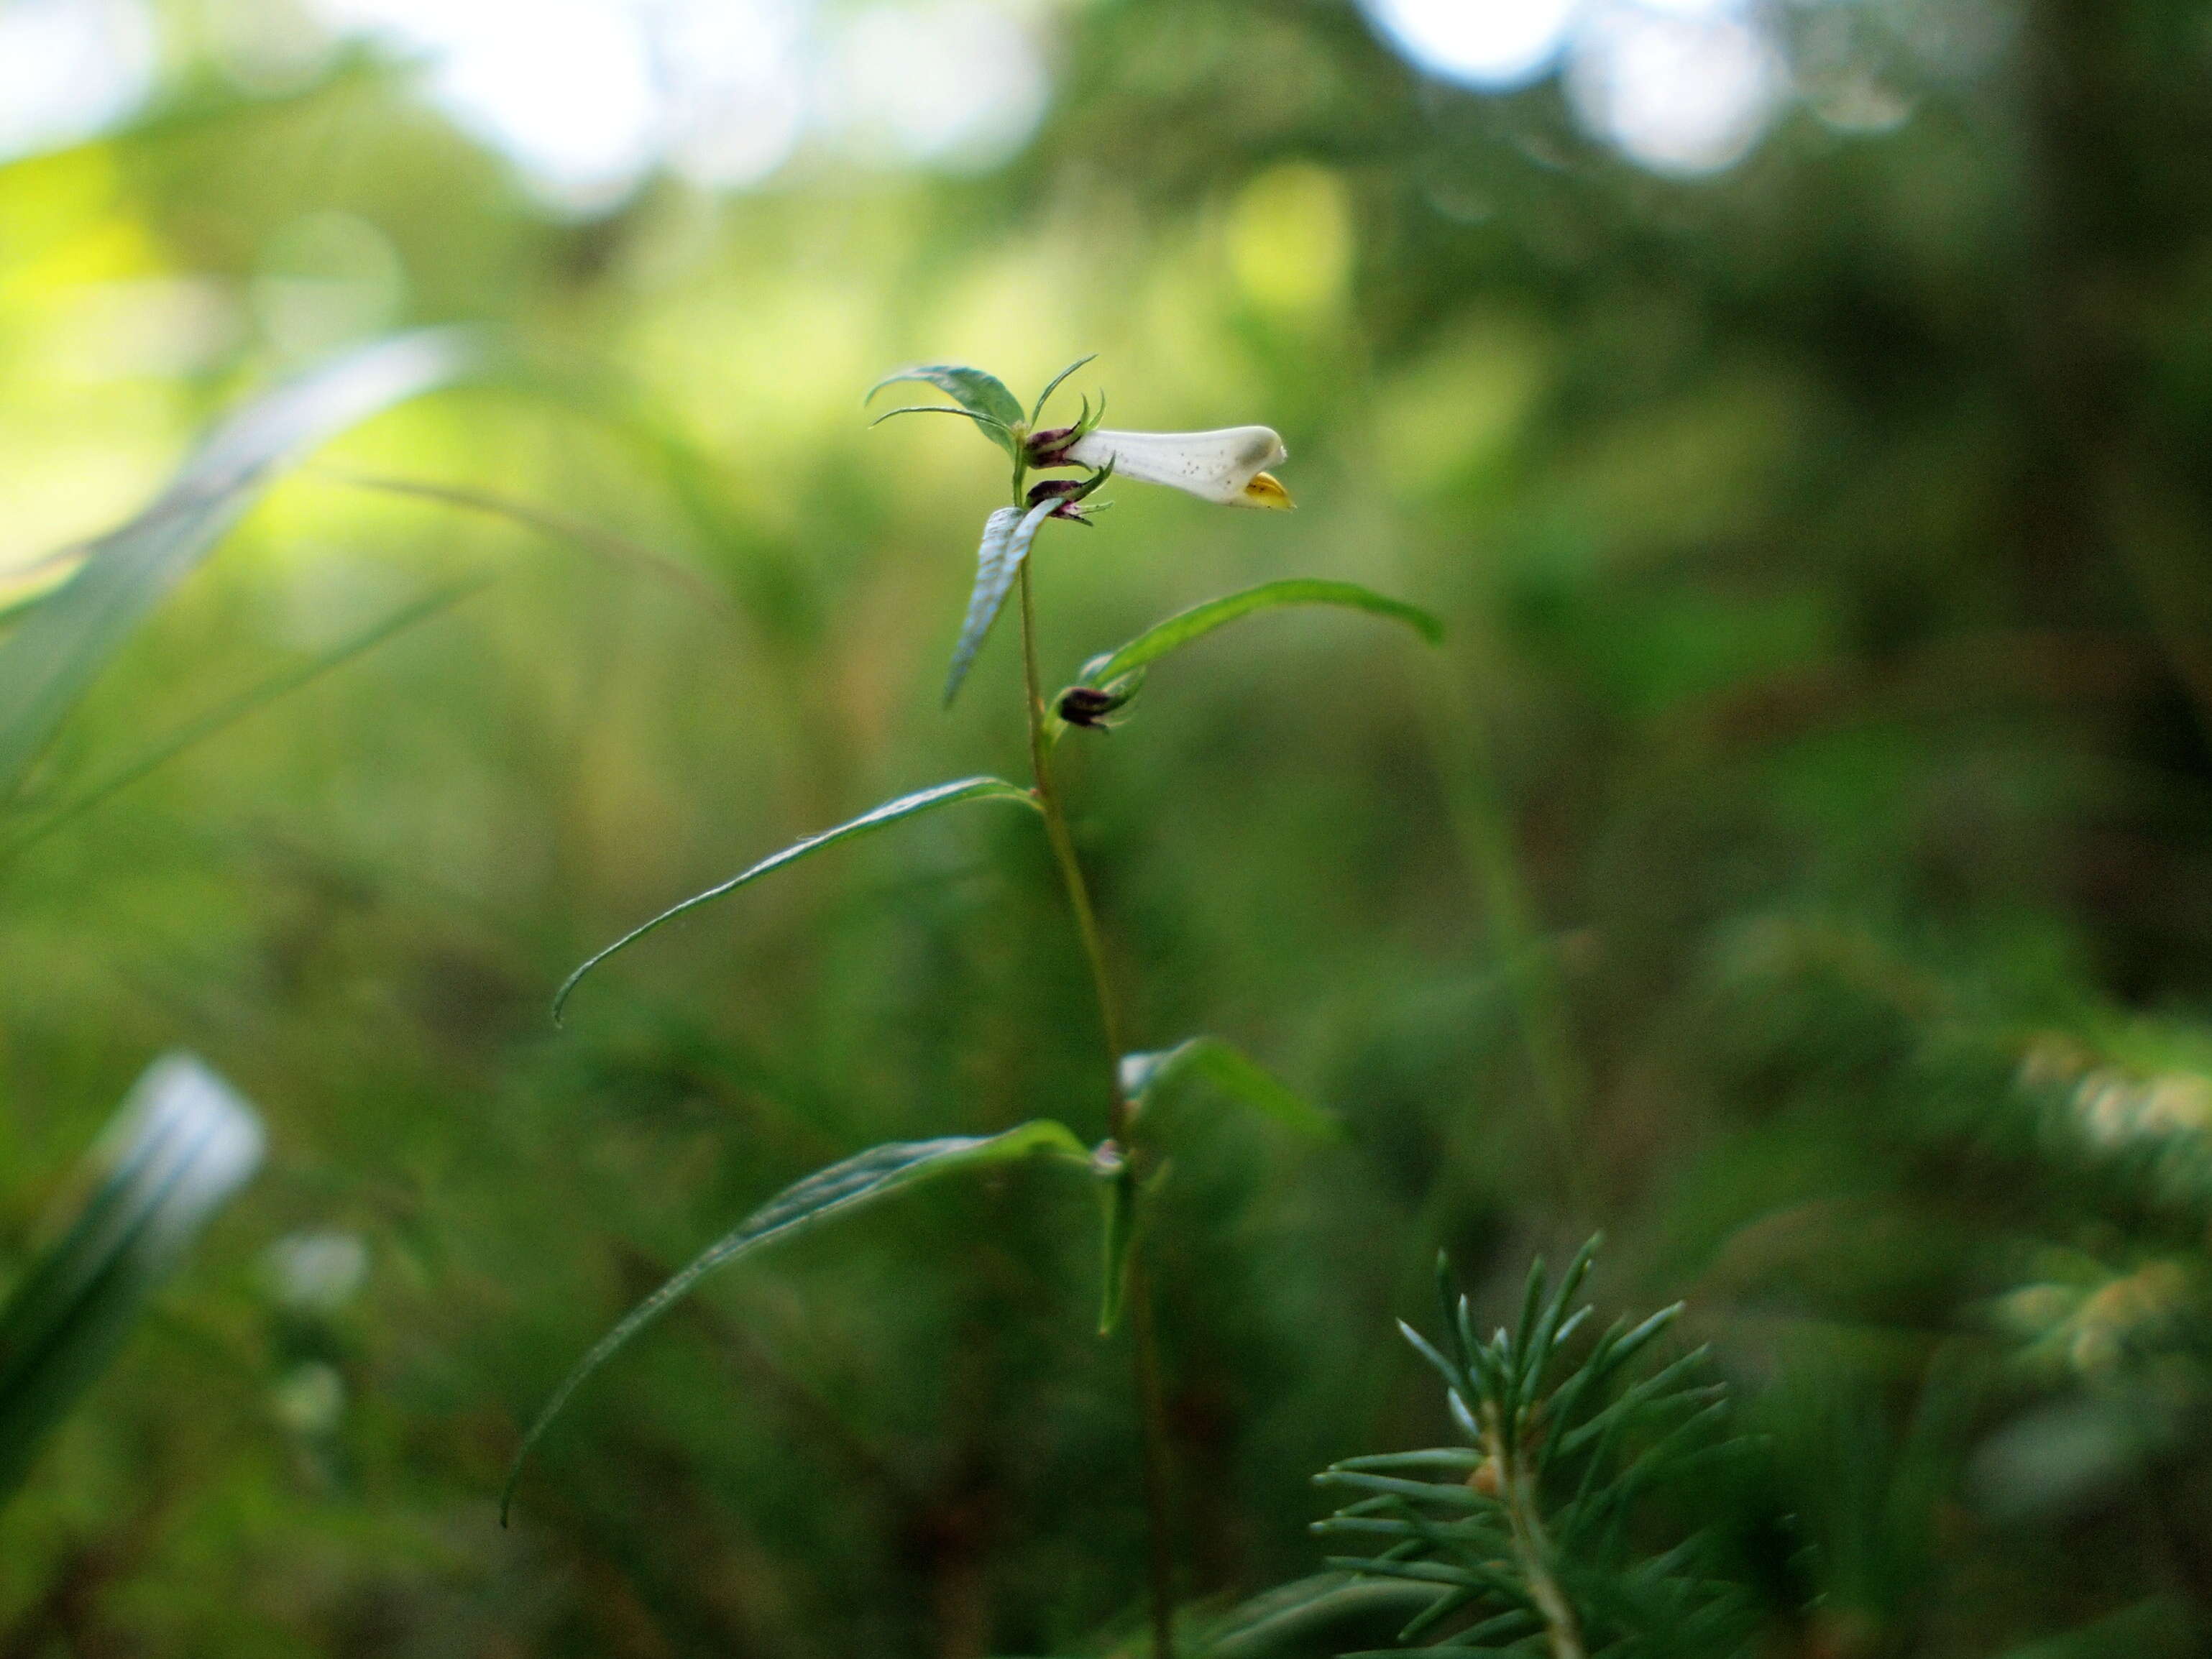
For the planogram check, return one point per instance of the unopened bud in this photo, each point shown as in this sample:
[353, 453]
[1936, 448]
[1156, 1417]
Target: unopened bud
[1050, 447]
[1086, 706]
[1069, 493]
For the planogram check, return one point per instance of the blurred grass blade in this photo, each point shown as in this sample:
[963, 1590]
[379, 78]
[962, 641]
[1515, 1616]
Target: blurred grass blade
[236, 708]
[182, 1143]
[1007, 534]
[1232, 1071]
[616, 548]
[62, 642]
[997, 410]
[24, 585]
[823, 1196]
[1199, 620]
[891, 812]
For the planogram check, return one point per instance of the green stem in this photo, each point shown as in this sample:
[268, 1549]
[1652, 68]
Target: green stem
[1071, 867]
[1145, 1353]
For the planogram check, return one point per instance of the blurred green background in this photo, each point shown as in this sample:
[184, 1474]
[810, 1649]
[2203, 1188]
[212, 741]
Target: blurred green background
[1798, 859]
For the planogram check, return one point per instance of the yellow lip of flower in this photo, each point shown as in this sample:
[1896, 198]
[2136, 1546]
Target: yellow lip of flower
[1227, 466]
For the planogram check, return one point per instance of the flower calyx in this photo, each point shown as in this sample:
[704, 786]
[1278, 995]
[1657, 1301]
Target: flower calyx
[1089, 706]
[1068, 496]
[1049, 447]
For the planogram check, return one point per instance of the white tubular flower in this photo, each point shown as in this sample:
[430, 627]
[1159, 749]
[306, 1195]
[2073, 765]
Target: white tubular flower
[1224, 467]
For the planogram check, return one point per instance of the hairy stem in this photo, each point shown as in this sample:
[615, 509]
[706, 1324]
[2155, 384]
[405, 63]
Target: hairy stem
[1145, 1339]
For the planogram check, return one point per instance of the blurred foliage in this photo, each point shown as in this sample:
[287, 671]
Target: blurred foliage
[1796, 861]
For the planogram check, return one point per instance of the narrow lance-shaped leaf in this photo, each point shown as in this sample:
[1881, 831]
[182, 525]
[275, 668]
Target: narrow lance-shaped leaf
[62, 644]
[1200, 620]
[891, 812]
[182, 1143]
[1052, 385]
[1007, 534]
[984, 396]
[1232, 1071]
[823, 1196]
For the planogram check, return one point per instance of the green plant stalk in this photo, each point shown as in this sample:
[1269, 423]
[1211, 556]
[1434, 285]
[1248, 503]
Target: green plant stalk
[1121, 1120]
[1071, 867]
[1532, 1544]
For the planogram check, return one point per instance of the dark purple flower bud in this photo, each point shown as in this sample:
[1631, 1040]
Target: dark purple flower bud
[1087, 705]
[1050, 447]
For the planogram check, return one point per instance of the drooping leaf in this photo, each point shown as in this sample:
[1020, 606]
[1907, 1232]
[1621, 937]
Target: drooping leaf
[182, 1143]
[823, 1196]
[1230, 1070]
[891, 812]
[1007, 534]
[62, 644]
[996, 409]
[1199, 620]
[236, 708]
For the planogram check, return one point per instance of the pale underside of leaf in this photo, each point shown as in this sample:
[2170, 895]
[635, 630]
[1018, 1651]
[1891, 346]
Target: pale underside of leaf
[1199, 620]
[823, 1196]
[1234, 1073]
[879, 818]
[1007, 536]
[62, 642]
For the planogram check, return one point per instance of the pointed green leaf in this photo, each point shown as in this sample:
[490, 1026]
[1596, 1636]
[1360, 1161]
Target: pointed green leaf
[1037, 414]
[823, 1196]
[980, 394]
[1182, 628]
[1234, 1073]
[1007, 534]
[62, 644]
[891, 812]
[182, 1143]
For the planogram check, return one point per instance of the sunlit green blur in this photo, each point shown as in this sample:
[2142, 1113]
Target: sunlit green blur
[1796, 860]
